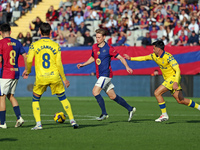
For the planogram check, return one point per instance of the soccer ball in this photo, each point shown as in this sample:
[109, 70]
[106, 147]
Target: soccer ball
[59, 117]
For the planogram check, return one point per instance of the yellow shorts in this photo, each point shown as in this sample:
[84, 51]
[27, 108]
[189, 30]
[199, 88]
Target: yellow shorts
[168, 83]
[56, 88]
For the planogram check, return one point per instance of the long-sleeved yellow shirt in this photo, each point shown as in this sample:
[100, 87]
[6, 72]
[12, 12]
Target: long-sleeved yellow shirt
[168, 65]
[48, 64]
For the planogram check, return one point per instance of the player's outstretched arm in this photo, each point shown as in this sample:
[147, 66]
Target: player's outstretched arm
[127, 57]
[128, 69]
[89, 61]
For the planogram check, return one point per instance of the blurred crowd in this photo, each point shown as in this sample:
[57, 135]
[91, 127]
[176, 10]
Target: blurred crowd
[175, 22]
[7, 8]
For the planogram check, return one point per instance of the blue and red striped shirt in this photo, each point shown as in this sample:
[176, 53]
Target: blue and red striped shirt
[10, 49]
[102, 58]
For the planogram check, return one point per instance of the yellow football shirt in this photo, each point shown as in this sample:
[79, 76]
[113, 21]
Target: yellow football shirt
[48, 64]
[168, 65]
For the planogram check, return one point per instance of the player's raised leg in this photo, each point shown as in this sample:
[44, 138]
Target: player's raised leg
[181, 100]
[158, 94]
[122, 102]
[3, 111]
[36, 111]
[96, 92]
[67, 107]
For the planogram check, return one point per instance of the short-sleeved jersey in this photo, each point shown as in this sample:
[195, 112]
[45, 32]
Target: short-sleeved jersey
[102, 58]
[48, 65]
[10, 49]
[168, 65]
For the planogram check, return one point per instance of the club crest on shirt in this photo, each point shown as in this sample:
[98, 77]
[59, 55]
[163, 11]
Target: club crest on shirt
[98, 53]
[104, 51]
[98, 61]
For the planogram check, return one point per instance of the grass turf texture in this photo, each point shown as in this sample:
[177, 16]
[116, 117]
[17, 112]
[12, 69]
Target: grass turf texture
[180, 132]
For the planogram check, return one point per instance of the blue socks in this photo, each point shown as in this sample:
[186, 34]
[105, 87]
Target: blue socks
[17, 111]
[101, 103]
[3, 117]
[123, 103]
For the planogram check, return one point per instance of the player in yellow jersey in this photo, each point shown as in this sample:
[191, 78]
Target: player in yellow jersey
[48, 69]
[171, 74]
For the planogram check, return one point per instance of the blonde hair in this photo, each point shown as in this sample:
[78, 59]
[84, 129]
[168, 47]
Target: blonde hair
[101, 31]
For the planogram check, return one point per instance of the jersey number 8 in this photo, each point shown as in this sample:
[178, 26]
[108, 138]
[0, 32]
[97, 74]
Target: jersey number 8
[46, 62]
[12, 57]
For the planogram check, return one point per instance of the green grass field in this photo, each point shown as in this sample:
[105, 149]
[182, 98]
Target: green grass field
[180, 132]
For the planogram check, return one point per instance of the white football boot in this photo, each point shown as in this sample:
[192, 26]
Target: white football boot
[162, 118]
[19, 122]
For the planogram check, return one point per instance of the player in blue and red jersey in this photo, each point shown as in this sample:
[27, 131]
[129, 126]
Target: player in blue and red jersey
[10, 49]
[101, 55]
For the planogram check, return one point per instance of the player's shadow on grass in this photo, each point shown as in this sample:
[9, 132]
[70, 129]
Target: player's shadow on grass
[64, 125]
[193, 121]
[133, 121]
[8, 139]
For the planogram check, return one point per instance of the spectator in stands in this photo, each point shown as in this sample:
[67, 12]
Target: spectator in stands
[37, 22]
[61, 40]
[121, 39]
[87, 13]
[159, 17]
[62, 16]
[153, 25]
[93, 14]
[111, 22]
[14, 4]
[177, 28]
[121, 7]
[175, 7]
[183, 39]
[168, 33]
[20, 37]
[167, 22]
[79, 11]
[90, 3]
[82, 28]
[30, 3]
[23, 5]
[52, 14]
[146, 41]
[113, 6]
[184, 22]
[96, 4]
[88, 39]
[71, 39]
[64, 21]
[27, 40]
[51, 24]
[74, 6]
[69, 13]
[73, 27]
[153, 33]
[78, 19]
[182, 15]
[8, 12]
[193, 39]
[113, 39]
[65, 31]
[193, 26]
[160, 32]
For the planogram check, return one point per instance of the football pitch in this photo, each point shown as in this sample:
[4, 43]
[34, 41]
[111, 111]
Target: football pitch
[180, 132]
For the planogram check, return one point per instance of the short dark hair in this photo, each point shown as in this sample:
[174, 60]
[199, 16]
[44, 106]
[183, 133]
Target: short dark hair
[5, 28]
[160, 44]
[45, 29]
